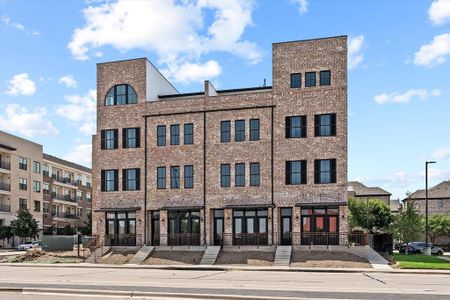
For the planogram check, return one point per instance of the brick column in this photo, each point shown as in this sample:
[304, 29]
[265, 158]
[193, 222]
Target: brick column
[228, 230]
[296, 225]
[163, 227]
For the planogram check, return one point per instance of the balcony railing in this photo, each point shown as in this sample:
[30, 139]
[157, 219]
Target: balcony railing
[5, 207]
[65, 215]
[5, 186]
[65, 180]
[5, 165]
[123, 240]
[63, 197]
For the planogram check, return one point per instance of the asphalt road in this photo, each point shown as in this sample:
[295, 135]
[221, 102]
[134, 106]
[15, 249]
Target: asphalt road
[263, 284]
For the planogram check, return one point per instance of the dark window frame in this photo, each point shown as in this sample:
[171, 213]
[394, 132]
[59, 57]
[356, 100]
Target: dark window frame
[325, 77]
[239, 174]
[105, 180]
[23, 163]
[239, 133]
[161, 137]
[318, 171]
[296, 80]
[225, 131]
[130, 95]
[174, 177]
[188, 138]
[255, 174]
[106, 140]
[188, 177]
[290, 173]
[255, 128]
[126, 144]
[291, 130]
[174, 134]
[126, 181]
[310, 81]
[225, 175]
[161, 178]
[331, 126]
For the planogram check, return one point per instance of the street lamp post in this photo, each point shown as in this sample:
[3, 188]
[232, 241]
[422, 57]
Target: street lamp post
[428, 250]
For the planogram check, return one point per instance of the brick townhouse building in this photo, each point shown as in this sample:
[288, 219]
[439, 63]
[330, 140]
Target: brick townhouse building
[438, 199]
[262, 165]
[56, 192]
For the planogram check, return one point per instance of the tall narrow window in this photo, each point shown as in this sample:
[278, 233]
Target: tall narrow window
[188, 134]
[110, 180]
[239, 175]
[36, 167]
[254, 130]
[225, 174]
[225, 131]
[161, 135]
[325, 171]
[296, 172]
[254, 174]
[161, 177]
[175, 134]
[325, 77]
[296, 80]
[310, 79]
[175, 177]
[131, 179]
[188, 177]
[295, 127]
[36, 186]
[131, 138]
[239, 130]
[23, 163]
[325, 125]
[109, 139]
[23, 204]
[23, 184]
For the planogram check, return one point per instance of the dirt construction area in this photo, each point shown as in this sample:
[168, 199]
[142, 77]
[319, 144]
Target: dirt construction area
[327, 259]
[163, 257]
[117, 258]
[251, 258]
[43, 257]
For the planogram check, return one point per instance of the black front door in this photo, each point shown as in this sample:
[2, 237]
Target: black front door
[155, 228]
[286, 226]
[218, 226]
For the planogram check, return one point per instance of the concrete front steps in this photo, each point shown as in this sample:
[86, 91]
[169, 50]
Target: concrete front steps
[141, 255]
[210, 255]
[283, 256]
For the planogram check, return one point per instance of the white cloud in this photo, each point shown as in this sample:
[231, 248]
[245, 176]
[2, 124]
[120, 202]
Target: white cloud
[406, 97]
[302, 5]
[439, 12]
[81, 154]
[21, 84]
[69, 81]
[81, 110]
[442, 153]
[191, 72]
[355, 56]
[8, 22]
[26, 122]
[434, 53]
[179, 32]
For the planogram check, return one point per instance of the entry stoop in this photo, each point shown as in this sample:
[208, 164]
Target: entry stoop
[141, 255]
[283, 256]
[210, 255]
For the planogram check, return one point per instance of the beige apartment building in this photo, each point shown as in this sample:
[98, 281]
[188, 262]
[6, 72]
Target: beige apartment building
[55, 191]
[250, 166]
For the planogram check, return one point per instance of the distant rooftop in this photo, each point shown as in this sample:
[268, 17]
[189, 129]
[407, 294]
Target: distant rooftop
[218, 92]
[441, 190]
[361, 190]
[66, 163]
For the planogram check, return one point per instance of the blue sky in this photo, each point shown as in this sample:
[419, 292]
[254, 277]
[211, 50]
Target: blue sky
[399, 76]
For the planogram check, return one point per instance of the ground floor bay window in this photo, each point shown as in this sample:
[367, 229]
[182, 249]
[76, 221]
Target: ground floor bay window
[320, 225]
[250, 227]
[121, 228]
[184, 227]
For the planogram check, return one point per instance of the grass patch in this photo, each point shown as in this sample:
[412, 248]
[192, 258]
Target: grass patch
[418, 261]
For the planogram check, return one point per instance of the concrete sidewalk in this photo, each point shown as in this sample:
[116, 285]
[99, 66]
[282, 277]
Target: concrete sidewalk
[229, 268]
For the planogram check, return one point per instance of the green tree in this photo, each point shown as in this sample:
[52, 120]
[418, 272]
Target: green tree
[408, 224]
[371, 214]
[86, 229]
[24, 226]
[438, 225]
[5, 232]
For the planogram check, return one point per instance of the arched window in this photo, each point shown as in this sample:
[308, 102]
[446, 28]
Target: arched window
[121, 94]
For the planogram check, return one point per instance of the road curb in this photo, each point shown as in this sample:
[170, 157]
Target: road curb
[229, 268]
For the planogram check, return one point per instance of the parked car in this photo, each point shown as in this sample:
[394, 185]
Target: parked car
[28, 245]
[418, 247]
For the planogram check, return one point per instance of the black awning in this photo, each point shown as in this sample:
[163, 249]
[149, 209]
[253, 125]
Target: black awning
[249, 206]
[181, 207]
[118, 209]
[7, 147]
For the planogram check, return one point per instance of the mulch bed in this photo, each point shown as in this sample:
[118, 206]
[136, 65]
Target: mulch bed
[327, 259]
[163, 257]
[252, 258]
